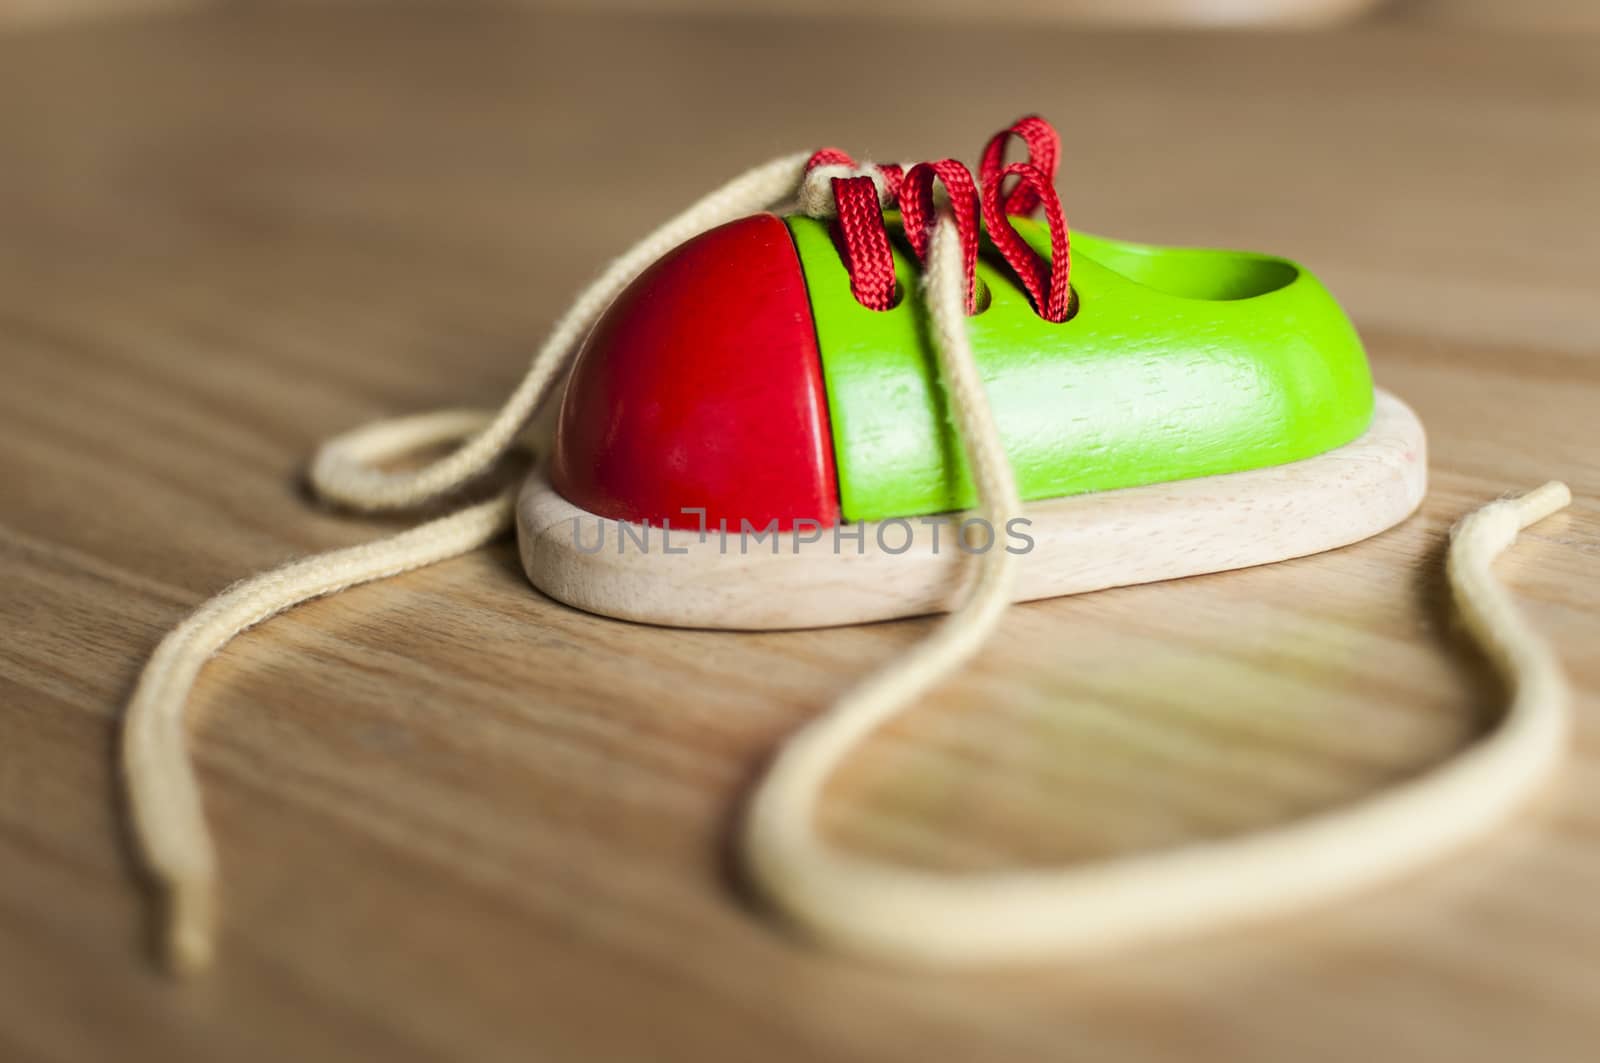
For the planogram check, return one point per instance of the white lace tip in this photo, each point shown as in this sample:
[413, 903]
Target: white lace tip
[1542, 501]
[189, 930]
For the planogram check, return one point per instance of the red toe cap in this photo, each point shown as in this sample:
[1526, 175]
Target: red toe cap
[701, 388]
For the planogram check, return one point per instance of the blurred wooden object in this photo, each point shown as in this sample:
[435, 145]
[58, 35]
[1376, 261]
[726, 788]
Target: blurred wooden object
[458, 820]
[1535, 14]
[16, 13]
[1169, 13]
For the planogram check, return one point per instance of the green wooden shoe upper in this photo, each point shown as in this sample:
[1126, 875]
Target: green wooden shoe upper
[1178, 363]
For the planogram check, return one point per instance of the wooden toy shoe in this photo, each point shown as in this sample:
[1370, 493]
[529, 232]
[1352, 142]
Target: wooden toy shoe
[754, 434]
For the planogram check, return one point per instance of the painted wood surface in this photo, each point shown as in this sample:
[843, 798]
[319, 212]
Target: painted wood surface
[459, 820]
[701, 388]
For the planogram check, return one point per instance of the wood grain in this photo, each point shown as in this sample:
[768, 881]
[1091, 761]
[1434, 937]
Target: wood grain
[458, 820]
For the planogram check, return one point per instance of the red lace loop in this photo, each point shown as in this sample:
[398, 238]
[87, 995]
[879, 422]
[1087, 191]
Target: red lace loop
[1048, 282]
[917, 214]
[864, 237]
[893, 179]
[828, 157]
[1044, 152]
[865, 241]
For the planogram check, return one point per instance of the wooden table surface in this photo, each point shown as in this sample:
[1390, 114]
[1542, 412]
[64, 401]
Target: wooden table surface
[458, 821]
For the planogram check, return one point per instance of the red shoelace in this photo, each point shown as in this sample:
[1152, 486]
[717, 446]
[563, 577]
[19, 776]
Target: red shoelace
[861, 196]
